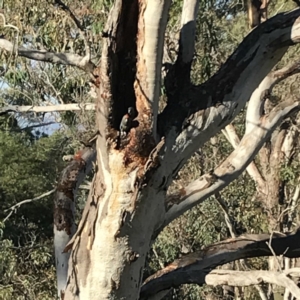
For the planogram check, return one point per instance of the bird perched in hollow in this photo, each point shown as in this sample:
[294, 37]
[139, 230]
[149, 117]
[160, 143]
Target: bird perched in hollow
[126, 122]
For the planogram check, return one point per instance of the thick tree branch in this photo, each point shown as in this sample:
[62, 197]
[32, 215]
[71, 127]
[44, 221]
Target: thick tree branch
[254, 124]
[150, 43]
[208, 108]
[194, 267]
[188, 30]
[177, 80]
[255, 112]
[248, 278]
[252, 170]
[48, 108]
[69, 59]
[257, 100]
[232, 167]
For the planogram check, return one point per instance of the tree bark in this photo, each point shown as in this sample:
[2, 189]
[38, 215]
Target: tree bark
[64, 211]
[127, 198]
[126, 204]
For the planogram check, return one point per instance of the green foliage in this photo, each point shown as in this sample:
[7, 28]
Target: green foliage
[29, 167]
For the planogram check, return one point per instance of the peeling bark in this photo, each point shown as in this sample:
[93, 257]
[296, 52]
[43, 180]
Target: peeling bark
[231, 168]
[110, 264]
[150, 40]
[126, 204]
[64, 211]
[207, 108]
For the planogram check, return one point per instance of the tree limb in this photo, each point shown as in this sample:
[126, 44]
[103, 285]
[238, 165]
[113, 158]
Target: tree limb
[204, 110]
[151, 34]
[16, 206]
[199, 190]
[248, 278]
[48, 108]
[178, 75]
[252, 170]
[257, 99]
[188, 30]
[254, 125]
[194, 267]
[69, 59]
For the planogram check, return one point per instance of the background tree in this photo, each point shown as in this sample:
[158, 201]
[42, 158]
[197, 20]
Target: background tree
[151, 176]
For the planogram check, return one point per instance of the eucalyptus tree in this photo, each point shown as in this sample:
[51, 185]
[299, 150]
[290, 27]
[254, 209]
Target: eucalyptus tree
[129, 203]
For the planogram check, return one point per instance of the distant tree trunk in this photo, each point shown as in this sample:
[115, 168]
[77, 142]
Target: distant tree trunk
[257, 12]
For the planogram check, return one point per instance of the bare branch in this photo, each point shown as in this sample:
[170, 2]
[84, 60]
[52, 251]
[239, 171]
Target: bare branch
[151, 33]
[16, 206]
[194, 267]
[204, 110]
[228, 222]
[252, 170]
[48, 108]
[232, 167]
[257, 100]
[188, 30]
[69, 59]
[248, 278]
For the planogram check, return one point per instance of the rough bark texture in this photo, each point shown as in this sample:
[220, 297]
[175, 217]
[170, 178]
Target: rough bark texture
[64, 210]
[109, 265]
[126, 204]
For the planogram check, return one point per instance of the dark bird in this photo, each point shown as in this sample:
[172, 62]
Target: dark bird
[126, 123]
[131, 112]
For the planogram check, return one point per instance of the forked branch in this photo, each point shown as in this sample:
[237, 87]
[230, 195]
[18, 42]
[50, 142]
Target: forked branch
[69, 59]
[255, 112]
[206, 109]
[199, 190]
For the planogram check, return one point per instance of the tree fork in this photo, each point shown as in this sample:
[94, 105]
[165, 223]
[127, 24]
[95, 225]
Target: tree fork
[127, 197]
